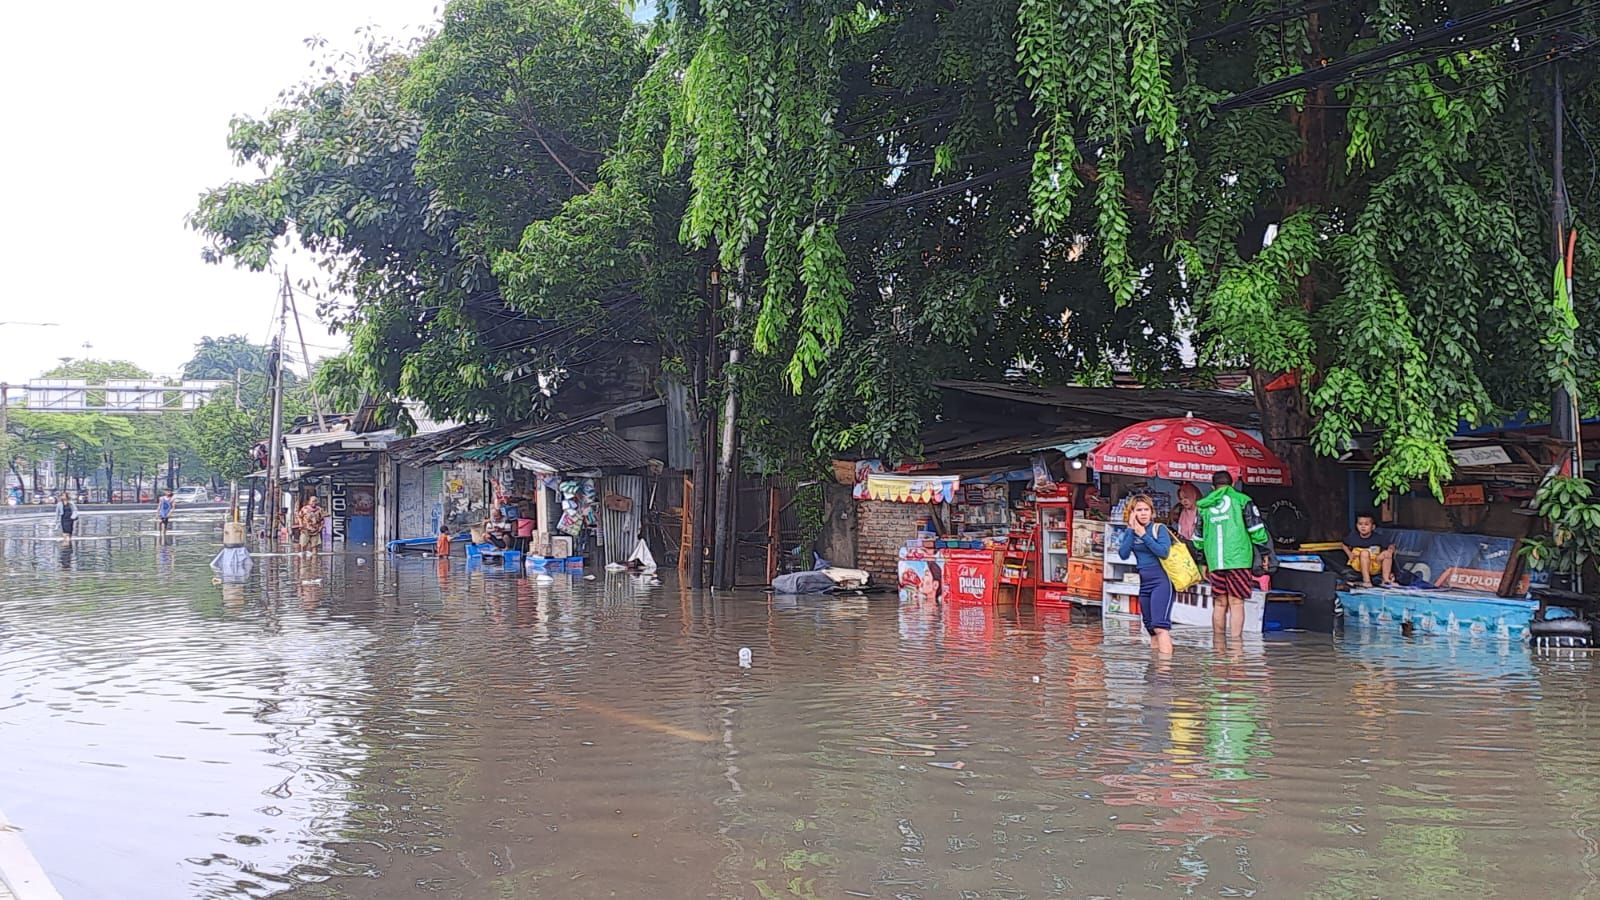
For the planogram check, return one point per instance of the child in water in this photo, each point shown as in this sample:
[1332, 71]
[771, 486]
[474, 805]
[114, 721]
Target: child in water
[441, 547]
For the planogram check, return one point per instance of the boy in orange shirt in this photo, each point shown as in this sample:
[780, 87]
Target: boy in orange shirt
[441, 547]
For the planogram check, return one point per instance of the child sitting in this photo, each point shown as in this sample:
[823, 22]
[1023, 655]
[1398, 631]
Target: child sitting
[1370, 551]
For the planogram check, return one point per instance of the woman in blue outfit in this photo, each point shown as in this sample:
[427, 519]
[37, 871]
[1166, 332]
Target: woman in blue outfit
[1149, 542]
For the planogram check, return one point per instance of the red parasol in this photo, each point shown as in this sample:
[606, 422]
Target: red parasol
[1188, 449]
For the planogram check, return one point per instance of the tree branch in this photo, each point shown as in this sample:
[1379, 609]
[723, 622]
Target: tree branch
[538, 135]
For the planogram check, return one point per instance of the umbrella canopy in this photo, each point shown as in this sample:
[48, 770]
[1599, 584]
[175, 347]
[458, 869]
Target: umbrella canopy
[1188, 449]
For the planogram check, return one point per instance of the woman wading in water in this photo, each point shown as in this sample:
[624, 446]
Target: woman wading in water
[1149, 542]
[67, 515]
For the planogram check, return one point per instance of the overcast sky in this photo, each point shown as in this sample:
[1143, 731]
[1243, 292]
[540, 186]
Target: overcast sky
[117, 118]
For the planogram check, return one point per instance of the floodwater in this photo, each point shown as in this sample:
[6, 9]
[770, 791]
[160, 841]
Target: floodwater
[381, 730]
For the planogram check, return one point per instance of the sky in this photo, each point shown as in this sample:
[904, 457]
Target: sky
[117, 121]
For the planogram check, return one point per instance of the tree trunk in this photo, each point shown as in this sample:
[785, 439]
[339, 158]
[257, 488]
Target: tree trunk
[1321, 485]
[724, 562]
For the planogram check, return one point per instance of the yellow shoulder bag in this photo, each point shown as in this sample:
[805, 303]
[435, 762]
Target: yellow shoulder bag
[1179, 565]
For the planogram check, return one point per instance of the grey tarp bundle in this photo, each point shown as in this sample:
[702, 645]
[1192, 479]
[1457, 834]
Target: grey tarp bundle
[803, 583]
[233, 564]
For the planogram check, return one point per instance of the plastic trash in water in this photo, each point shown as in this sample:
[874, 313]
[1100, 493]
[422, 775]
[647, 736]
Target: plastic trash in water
[744, 657]
[233, 564]
[642, 557]
[360, 561]
[588, 578]
[1035, 679]
[542, 578]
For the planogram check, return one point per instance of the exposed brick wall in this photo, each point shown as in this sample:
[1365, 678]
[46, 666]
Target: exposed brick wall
[881, 529]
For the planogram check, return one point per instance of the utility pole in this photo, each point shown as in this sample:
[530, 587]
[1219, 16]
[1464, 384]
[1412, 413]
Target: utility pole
[275, 450]
[1563, 406]
[1563, 420]
[322, 420]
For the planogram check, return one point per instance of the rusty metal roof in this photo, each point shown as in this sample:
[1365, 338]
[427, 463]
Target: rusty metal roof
[483, 442]
[1237, 408]
[593, 447]
[1025, 418]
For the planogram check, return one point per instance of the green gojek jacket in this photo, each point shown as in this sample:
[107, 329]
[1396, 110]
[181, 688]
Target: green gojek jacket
[1228, 525]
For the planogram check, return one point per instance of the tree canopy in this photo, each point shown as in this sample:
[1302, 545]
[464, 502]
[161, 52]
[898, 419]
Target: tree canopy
[907, 190]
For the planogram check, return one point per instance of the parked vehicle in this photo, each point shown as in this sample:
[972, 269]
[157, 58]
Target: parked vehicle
[191, 494]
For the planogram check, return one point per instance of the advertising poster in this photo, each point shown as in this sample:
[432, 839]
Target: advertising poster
[919, 580]
[967, 577]
[1463, 562]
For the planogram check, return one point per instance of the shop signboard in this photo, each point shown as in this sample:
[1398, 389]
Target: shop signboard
[339, 505]
[968, 576]
[1490, 455]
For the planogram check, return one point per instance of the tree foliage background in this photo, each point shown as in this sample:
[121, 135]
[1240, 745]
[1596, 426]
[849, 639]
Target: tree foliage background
[906, 190]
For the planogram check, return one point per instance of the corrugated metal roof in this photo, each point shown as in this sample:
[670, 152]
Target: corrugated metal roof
[483, 442]
[1237, 408]
[308, 439]
[593, 447]
[1065, 415]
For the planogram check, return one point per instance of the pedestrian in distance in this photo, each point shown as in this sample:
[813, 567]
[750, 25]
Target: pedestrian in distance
[164, 510]
[1149, 542]
[67, 515]
[1230, 528]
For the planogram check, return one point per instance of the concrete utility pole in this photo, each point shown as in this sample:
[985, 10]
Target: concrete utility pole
[275, 451]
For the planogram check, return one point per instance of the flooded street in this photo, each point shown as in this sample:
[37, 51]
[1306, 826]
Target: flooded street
[354, 727]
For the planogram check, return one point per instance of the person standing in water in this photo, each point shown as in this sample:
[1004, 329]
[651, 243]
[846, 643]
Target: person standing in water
[1149, 542]
[67, 515]
[1230, 527]
[309, 521]
[164, 510]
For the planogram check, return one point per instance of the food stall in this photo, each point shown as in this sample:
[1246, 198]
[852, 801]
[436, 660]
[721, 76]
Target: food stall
[989, 539]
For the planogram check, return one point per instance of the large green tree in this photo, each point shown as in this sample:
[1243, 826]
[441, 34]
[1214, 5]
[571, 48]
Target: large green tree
[908, 189]
[1405, 276]
[224, 429]
[408, 177]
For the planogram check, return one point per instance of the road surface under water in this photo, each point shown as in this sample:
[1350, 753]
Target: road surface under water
[352, 727]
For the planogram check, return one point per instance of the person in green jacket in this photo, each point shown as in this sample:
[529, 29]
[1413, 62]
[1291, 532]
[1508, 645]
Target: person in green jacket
[1229, 529]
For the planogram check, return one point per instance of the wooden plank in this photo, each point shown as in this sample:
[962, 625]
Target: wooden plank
[774, 538]
[686, 531]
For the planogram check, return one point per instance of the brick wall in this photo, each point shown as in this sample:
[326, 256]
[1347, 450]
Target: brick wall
[881, 529]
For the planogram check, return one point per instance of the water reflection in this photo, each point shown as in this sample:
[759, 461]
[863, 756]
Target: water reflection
[351, 726]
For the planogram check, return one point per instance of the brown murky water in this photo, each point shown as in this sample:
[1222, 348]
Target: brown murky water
[380, 730]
